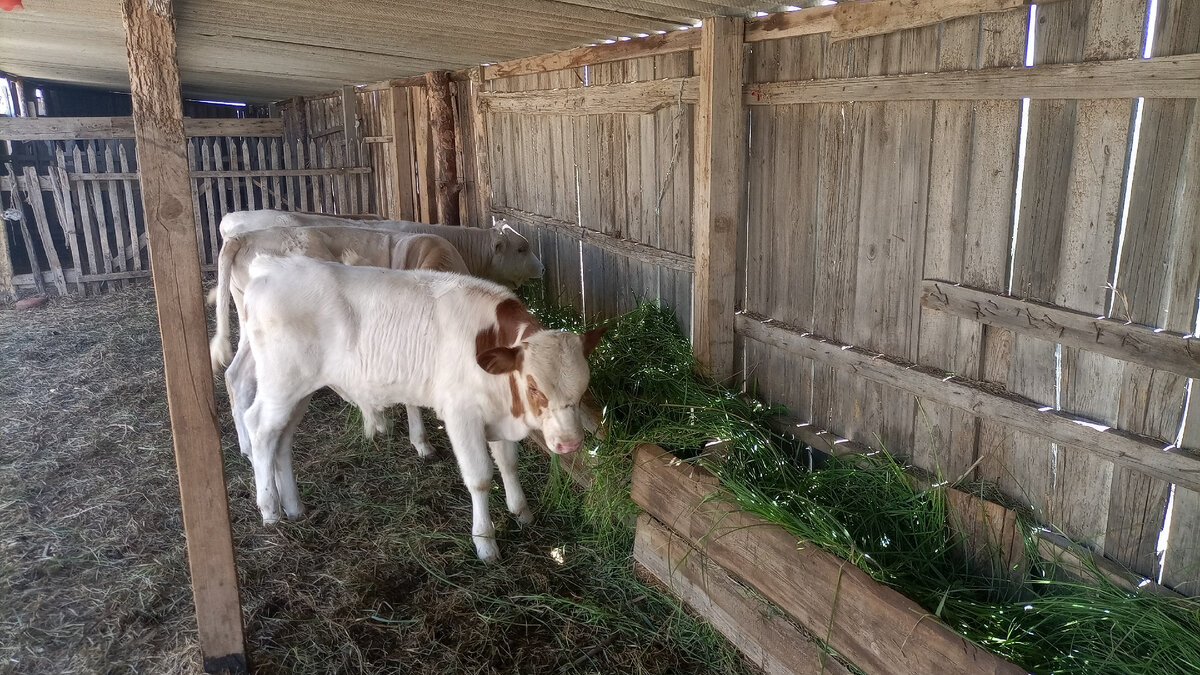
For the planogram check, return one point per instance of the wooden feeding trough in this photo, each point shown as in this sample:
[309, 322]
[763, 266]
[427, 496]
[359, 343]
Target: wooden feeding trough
[710, 553]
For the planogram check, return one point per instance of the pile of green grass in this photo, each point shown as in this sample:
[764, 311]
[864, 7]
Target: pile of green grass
[868, 510]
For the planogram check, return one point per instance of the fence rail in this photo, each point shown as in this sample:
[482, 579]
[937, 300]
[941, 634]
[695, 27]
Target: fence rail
[76, 218]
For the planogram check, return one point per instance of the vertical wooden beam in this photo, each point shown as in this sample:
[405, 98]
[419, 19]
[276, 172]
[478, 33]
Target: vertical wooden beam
[175, 266]
[350, 121]
[483, 166]
[402, 156]
[717, 189]
[17, 86]
[6, 270]
[423, 180]
[441, 121]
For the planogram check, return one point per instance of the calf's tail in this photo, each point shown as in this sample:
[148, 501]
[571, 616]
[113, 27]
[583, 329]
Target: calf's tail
[220, 349]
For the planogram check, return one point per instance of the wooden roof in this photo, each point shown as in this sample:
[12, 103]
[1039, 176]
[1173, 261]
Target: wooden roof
[273, 49]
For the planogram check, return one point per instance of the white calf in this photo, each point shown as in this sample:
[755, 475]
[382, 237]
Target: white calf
[498, 253]
[465, 347]
[353, 246]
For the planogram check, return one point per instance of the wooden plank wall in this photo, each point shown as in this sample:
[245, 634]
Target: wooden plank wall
[621, 177]
[852, 204]
[863, 184]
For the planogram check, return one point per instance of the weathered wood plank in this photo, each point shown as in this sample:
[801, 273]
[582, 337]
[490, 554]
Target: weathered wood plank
[623, 247]
[85, 217]
[131, 208]
[64, 205]
[862, 19]
[1144, 454]
[247, 182]
[1158, 276]
[623, 97]
[211, 217]
[33, 196]
[717, 193]
[6, 270]
[674, 41]
[117, 223]
[756, 628]
[836, 240]
[175, 262]
[235, 184]
[441, 126]
[85, 128]
[423, 179]
[15, 203]
[101, 223]
[482, 154]
[874, 627]
[1161, 349]
[193, 158]
[945, 438]
[1161, 77]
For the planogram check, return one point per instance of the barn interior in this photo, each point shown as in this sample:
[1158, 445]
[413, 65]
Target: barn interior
[947, 245]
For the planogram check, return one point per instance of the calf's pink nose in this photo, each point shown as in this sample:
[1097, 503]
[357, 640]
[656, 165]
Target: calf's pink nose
[567, 448]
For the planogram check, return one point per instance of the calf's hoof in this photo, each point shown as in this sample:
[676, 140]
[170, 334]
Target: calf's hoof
[295, 514]
[425, 450]
[486, 549]
[525, 516]
[270, 518]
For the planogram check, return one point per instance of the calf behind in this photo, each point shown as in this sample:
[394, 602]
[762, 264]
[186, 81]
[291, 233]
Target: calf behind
[498, 253]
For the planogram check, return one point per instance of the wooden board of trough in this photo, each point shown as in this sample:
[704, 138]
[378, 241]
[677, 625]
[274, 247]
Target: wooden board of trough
[874, 627]
[761, 632]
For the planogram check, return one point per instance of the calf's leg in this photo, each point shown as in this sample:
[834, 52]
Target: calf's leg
[241, 384]
[267, 422]
[470, 449]
[505, 454]
[416, 433]
[285, 478]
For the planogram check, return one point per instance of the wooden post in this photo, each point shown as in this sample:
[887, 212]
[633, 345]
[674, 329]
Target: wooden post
[402, 156]
[441, 121]
[719, 147]
[350, 121]
[175, 267]
[483, 166]
[17, 86]
[6, 270]
[423, 180]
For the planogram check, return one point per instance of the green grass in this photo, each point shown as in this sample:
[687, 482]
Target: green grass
[865, 509]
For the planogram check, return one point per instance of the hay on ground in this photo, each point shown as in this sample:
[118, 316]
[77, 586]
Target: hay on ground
[380, 577]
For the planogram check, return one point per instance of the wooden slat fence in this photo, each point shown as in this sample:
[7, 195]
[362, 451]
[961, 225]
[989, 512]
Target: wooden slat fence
[931, 232]
[607, 196]
[389, 134]
[78, 218]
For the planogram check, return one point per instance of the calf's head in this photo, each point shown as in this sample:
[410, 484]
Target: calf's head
[547, 373]
[513, 262]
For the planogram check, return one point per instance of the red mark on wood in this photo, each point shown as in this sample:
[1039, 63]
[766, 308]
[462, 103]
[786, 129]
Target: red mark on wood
[10, 5]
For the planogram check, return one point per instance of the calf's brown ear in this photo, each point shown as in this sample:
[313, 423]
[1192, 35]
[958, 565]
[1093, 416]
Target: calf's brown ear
[499, 360]
[592, 338]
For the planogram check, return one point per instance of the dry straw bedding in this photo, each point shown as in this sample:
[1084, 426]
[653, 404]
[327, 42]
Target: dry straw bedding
[379, 578]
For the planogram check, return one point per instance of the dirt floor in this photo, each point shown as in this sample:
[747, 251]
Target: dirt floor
[380, 577]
